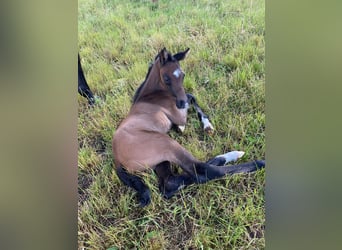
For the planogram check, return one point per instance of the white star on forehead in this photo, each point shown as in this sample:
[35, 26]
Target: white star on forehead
[177, 73]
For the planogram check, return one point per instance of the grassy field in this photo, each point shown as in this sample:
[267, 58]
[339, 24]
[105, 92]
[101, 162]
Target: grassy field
[225, 70]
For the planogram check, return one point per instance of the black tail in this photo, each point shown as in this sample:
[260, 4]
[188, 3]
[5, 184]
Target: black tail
[83, 88]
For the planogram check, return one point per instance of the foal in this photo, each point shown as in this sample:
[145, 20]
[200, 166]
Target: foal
[141, 141]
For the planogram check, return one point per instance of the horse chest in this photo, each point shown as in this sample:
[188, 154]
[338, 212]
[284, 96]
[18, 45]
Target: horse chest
[153, 122]
[179, 116]
[162, 122]
[183, 113]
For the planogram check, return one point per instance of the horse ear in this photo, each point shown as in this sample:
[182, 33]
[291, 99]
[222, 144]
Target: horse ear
[181, 55]
[163, 56]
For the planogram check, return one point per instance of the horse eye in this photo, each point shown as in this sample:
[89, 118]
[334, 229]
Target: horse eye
[167, 79]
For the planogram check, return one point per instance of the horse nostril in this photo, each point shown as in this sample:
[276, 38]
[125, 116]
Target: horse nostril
[180, 104]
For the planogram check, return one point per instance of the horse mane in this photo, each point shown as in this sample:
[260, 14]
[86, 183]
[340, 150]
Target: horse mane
[137, 92]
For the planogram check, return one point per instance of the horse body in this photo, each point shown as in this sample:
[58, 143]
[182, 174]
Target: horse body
[141, 141]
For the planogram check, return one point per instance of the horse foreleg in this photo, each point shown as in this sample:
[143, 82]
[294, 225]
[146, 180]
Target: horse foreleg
[136, 183]
[207, 126]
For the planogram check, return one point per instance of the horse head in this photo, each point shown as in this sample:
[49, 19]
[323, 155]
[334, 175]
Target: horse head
[172, 76]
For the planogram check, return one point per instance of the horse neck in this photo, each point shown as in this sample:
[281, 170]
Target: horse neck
[152, 82]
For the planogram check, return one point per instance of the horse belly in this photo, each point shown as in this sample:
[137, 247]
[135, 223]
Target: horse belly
[138, 152]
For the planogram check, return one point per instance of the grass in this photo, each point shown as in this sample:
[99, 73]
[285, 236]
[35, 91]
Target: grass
[225, 71]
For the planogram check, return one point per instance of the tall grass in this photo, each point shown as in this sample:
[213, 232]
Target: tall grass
[225, 71]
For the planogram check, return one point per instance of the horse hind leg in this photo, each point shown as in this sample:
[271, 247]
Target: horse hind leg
[223, 159]
[206, 172]
[169, 183]
[202, 172]
[135, 182]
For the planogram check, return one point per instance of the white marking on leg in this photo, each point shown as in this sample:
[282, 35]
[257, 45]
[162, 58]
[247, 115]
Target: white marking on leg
[181, 128]
[184, 113]
[206, 124]
[187, 106]
[232, 156]
[180, 187]
[177, 73]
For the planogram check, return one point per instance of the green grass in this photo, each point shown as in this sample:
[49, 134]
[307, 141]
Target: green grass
[225, 71]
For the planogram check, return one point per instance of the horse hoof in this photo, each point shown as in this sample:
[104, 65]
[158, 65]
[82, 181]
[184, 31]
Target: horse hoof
[209, 129]
[145, 199]
[144, 202]
[260, 163]
[168, 195]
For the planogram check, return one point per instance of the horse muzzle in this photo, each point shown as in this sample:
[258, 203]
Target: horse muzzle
[181, 104]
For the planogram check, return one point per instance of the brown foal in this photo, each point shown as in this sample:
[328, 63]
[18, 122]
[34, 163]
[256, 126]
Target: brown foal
[141, 141]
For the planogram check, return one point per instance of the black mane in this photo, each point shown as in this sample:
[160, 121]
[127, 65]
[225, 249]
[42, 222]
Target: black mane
[137, 92]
